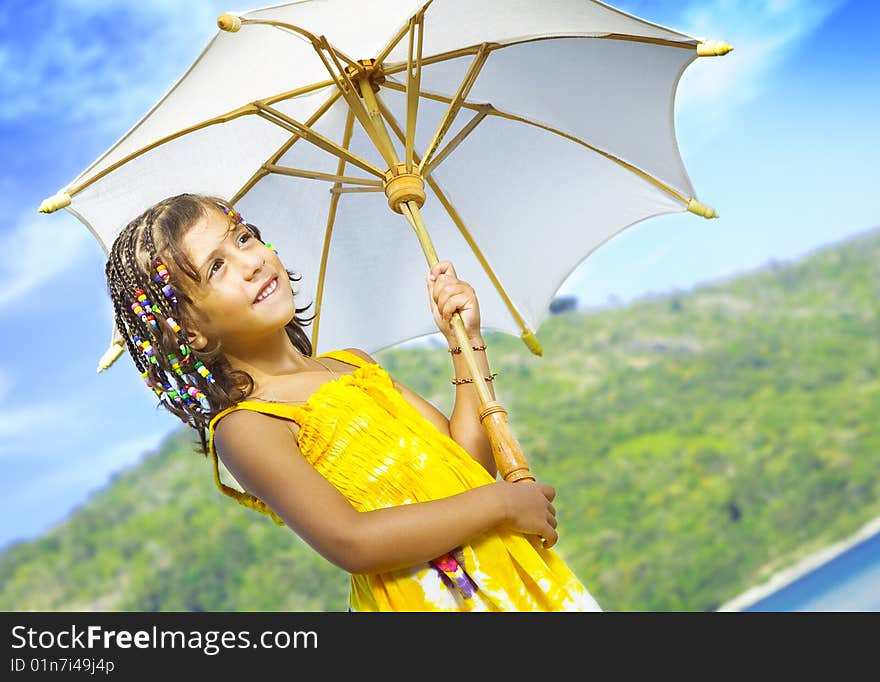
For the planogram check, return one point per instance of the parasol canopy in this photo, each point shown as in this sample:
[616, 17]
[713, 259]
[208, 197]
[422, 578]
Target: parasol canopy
[514, 138]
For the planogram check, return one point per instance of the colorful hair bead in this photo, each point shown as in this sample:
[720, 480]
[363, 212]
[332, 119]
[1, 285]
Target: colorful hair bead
[172, 393]
[190, 395]
[171, 323]
[232, 214]
[162, 279]
[143, 307]
[146, 377]
[147, 349]
[194, 392]
[175, 364]
[201, 369]
[271, 248]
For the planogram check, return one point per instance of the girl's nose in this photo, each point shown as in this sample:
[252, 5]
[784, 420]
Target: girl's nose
[253, 262]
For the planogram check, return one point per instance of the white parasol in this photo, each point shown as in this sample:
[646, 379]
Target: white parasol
[513, 137]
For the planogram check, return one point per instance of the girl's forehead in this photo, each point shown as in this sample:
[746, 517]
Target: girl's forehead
[206, 234]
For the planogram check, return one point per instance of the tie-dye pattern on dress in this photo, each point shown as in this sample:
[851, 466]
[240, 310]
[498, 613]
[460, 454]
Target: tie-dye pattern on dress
[379, 451]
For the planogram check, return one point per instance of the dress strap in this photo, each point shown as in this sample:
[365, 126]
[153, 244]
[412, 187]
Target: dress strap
[274, 409]
[345, 356]
[245, 498]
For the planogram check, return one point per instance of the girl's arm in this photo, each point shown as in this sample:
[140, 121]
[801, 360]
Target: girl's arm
[464, 427]
[464, 424]
[262, 454]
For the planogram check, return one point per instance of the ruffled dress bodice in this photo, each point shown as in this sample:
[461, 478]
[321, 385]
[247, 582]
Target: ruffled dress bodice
[372, 445]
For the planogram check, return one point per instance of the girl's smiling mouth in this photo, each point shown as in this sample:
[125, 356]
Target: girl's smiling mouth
[267, 290]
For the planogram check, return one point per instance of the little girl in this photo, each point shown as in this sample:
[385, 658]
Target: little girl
[367, 472]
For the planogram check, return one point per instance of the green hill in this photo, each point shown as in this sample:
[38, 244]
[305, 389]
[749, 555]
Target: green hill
[698, 443]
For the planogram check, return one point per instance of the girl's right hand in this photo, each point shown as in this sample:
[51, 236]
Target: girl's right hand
[529, 509]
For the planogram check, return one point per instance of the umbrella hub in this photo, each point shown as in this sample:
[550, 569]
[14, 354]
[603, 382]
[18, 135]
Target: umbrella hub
[369, 71]
[401, 186]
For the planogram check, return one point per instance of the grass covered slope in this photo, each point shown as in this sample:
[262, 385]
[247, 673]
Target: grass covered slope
[698, 442]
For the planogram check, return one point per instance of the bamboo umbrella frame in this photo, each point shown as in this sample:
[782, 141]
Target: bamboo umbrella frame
[359, 82]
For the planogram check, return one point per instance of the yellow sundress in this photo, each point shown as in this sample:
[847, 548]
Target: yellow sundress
[367, 440]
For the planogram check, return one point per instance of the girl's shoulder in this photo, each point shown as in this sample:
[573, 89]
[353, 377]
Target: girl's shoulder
[351, 356]
[287, 408]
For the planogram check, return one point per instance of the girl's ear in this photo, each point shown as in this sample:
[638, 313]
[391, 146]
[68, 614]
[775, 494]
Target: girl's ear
[196, 339]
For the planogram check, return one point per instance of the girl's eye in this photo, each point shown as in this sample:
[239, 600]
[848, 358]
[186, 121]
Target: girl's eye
[243, 237]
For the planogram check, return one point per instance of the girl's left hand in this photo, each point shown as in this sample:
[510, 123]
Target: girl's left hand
[447, 293]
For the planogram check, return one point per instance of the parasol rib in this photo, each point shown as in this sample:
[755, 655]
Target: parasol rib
[457, 140]
[316, 175]
[222, 118]
[689, 44]
[328, 232]
[456, 102]
[354, 190]
[399, 35]
[308, 35]
[340, 77]
[413, 84]
[261, 172]
[492, 111]
[527, 335]
[349, 92]
[283, 120]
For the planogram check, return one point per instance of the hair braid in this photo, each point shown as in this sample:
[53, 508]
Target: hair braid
[156, 236]
[184, 375]
[116, 275]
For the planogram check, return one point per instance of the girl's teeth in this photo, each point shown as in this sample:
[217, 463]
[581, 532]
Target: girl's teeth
[268, 291]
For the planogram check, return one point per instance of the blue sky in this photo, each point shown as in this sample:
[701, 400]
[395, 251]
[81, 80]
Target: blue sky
[780, 136]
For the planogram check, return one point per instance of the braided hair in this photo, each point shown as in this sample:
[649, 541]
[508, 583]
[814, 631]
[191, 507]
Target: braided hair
[151, 312]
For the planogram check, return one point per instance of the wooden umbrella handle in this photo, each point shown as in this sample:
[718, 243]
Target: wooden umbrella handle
[506, 450]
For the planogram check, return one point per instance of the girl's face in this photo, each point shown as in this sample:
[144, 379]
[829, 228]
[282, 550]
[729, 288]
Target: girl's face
[244, 293]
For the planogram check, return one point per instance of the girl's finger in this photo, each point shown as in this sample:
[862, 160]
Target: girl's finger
[440, 267]
[550, 538]
[453, 304]
[445, 295]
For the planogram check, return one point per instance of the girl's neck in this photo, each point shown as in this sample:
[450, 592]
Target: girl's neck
[270, 357]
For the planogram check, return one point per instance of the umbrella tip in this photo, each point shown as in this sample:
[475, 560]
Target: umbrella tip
[110, 356]
[695, 206]
[531, 341]
[713, 48]
[229, 22]
[55, 202]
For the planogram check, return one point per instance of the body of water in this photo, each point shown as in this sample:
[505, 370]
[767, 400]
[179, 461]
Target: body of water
[850, 581]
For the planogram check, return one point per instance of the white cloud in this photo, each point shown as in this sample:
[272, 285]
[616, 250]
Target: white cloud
[764, 35]
[39, 427]
[17, 421]
[104, 61]
[34, 253]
